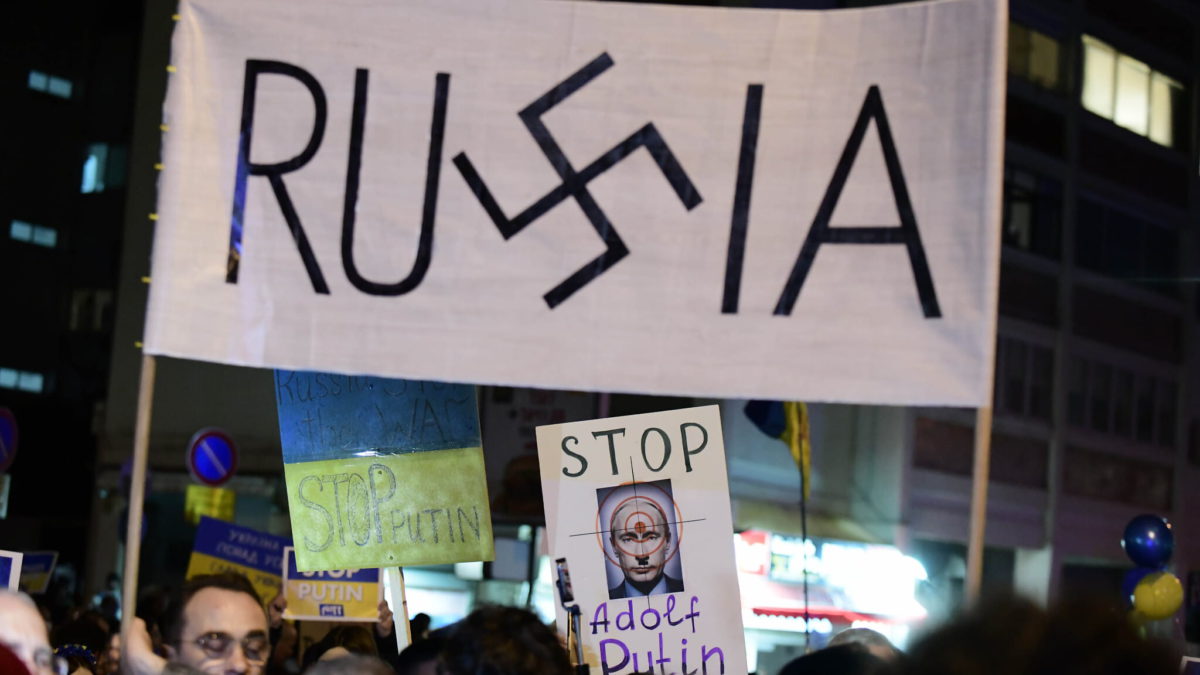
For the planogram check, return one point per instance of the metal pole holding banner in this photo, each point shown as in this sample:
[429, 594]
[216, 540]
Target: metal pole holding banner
[979, 486]
[399, 604]
[137, 494]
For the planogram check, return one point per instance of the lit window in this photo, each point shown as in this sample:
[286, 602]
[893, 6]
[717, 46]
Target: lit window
[103, 168]
[1129, 92]
[50, 84]
[34, 234]
[45, 236]
[38, 80]
[30, 382]
[21, 231]
[1034, 56]
[22, 380]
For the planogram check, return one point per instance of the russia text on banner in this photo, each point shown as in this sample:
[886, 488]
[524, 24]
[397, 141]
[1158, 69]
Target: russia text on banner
[225, 547]
[588, 195]
[639, 507]
[382, 472]
[334, 595]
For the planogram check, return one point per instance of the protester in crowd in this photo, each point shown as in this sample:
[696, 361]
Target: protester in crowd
[420, 657]
[418, 627]
[873, 641]
[350, 664]
[214, 624]
[1015, 637]
[845, 659]
[23, 630]
[81, 640]
[10, 663]
[110, 658]
[341, 641]
[503, 641]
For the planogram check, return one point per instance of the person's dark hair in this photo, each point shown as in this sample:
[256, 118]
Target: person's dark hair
[228, 581]
[1009, 635]
[420, 651]
[354, 639]
[866, 638]
[354, 664]
[503, 641]
[81, 640]
[846, 659]
[419, 626]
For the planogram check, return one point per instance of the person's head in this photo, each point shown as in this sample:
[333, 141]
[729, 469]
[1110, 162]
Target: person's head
[872, 641]
[420, 657]
[503, 641]
[846, 659]
[419, 626]
[215, 624]
[81, 641]
[1008, 635]
[338, 642]
[350, 664]
[640, 538]
[23, 630]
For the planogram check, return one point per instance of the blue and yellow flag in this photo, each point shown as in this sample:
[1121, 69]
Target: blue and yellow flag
[787, 421]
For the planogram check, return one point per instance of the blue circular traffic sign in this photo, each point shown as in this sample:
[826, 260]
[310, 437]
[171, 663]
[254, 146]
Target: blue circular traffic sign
[212, 457]
[8, 438]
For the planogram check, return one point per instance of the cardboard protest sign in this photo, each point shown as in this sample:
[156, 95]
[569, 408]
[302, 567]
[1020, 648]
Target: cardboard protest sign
[382, 472]
[213, 502]
[486, 195]
[332, 595]
[10, 569]
[37, 567]
[225, 547]
[639, 507]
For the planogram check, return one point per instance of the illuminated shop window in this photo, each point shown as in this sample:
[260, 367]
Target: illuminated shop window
[1125, 90]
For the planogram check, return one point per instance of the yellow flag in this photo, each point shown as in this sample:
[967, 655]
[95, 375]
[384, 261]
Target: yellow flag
[796, 436]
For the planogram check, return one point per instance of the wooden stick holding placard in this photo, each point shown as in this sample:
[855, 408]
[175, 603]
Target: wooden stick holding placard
[979, 487]
[399, 606]
[137, 495]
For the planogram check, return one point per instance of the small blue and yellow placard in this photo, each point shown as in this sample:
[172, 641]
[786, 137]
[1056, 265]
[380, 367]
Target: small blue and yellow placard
[331, 595]
[225, 547]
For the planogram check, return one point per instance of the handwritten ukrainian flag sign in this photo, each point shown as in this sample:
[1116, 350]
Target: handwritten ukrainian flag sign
[36, 569]
[225, 547]
[382, 472]
[331, 595]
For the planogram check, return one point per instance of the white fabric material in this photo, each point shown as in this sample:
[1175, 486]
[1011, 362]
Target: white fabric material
[653, 322]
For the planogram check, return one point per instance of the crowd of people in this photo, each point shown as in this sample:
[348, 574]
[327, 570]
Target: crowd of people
[216, 624]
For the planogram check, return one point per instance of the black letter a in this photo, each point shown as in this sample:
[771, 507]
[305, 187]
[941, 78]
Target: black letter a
[906, 233]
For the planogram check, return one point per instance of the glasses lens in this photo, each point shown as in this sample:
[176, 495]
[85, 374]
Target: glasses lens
[256, 648]
[215, 645]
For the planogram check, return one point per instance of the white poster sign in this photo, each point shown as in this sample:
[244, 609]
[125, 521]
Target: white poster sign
[587, 195]
[638, 507]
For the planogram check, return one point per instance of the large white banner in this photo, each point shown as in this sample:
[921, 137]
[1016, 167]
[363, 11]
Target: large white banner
[637, 508]
[583, 195]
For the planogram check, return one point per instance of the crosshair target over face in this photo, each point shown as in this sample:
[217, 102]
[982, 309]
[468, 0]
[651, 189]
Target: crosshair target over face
[636, 520]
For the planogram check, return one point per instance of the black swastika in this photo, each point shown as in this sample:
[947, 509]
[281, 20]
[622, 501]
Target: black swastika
[575, 183]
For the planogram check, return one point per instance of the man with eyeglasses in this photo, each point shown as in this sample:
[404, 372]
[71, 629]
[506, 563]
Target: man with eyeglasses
[23, 630]
[214, 624]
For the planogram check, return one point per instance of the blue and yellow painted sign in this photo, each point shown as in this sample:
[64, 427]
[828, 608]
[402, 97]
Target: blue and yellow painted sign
[331, 595]
[382, 472]
[36, 570]
[225, 547]
[10, 570]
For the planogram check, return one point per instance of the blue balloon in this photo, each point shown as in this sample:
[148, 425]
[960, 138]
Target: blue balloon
[1148, 541]
[1132, 577]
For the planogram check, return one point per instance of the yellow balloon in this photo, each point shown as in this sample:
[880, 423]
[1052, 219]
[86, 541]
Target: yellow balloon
[1158, 595]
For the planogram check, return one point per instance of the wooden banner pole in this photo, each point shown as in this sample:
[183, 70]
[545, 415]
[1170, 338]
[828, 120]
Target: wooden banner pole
[399, 604]
[979, 487]
[137, 495]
